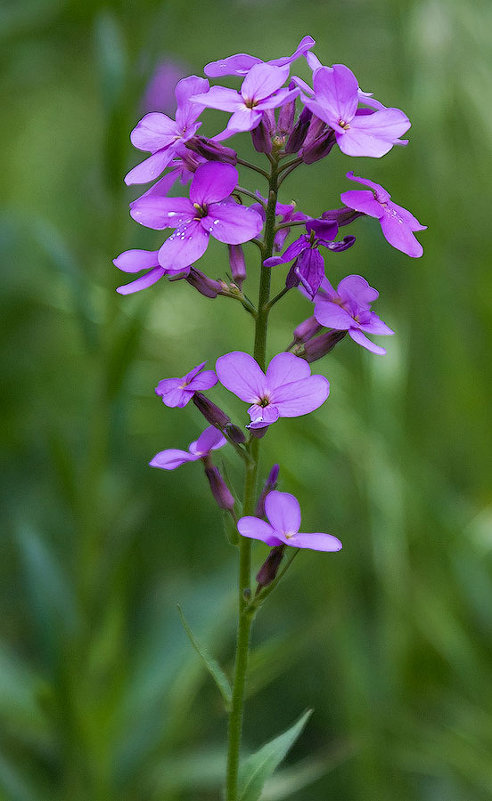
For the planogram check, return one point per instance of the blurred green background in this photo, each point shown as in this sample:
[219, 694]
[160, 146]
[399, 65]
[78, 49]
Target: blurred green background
[101, 695]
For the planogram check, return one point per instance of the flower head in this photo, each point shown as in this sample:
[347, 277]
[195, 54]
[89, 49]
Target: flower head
[284, 521]
[208, 211]
[286, 390]
[210, 440]
[161, 136]
[397, 223]
[179, 391]
[359, 132]
[348, 309]
[134, 261]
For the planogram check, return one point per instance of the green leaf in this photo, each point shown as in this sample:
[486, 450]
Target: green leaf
[210, 663]
[257, 768]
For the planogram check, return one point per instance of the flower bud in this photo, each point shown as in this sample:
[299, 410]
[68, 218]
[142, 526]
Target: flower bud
[212, 151]
[205, 285]
[318, 347]
[270, 566]
[343, 216]
[220, 490]
[270, 484]
[298, 135]
[318, 148]
[286, 115]
[306, 330]
[261, 137]
[215, 416]
[235, 434]
[237, 264]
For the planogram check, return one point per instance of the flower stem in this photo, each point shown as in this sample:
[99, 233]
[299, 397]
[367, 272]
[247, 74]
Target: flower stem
[246, 613]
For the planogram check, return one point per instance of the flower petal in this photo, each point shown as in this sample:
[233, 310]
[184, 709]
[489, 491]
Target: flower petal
[362, 200]
[262, 81]
[158, 212]
[332, 315]
[209, 440]
[301, 397]
[336, 90]
[143, 282]
[382, 195]
[240, 64]
[187, 112]
[213, 182]
[151, 168]
[285, 368]
[355, 288]
[262, 416]
[220, 98]
[357, 335]
[185, 246]
[154, 132]
[306, 43]
[257, 529]
[132, 261]
[205, 380]
[172, 392]
[387, 124]
[399, 234]
[231, 223]
[283, 512]
[315, 542]
[239, 373]
[172, 458]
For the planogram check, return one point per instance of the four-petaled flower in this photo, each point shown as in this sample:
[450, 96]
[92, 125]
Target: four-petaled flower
[163, 137]
[287, 390]
[133, 261]
[348, 309]
[363, 133]
[179, 391]
[260, 90]
[209, 440]
[208, 211]
[397, 223]
[284, 515]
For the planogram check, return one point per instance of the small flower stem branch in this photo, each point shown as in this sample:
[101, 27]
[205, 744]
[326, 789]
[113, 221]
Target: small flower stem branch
[253, 167]
[258, 600]
[278, 297]
[246, 613]
[247, 193]
[289, 165]
[243, 300]
[259, 244]
[289, 224]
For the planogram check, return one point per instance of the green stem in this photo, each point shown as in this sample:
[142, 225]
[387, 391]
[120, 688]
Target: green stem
[245, 612]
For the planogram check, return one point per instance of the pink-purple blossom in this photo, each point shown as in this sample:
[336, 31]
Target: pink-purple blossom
[359, 132]
[284, 521]
[397, 223]
[241, 63]
[209, 211]
[260, 90]
[286, 390]
[210, 440]
[348, 308]
[179, 391]
[134, 261]
[163, 137]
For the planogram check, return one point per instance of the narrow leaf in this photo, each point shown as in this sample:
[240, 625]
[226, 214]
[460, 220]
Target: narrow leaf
[257, 768]
[210, 663]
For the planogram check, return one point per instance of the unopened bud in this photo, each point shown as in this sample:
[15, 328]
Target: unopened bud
[261, 137]
[270, 484]
[213, 151]
[215, 416]
[318, 347]
[299, 132]
[343, 216]
[318, 148]
[306, 330]
[286, 115]
[235, 433]
[205, 285]
[220, 490]
[270, 566]
[237, 264]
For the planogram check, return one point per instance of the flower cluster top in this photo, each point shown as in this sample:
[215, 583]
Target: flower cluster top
[291, 123]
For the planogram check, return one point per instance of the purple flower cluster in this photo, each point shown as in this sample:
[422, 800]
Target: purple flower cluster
[295, 123]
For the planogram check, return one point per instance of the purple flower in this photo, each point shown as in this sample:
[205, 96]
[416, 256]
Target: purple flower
[309, 267]
[348, 309]
[241, 63]
[284, 515]
[209, 440]
[363, 133]
[396, 222]
[208, 211]
[161, 136]
[133, 261]
[260, 91]
[287, 390]
[179, 391]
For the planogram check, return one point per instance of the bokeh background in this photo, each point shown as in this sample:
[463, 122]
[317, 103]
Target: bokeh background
[101, 695]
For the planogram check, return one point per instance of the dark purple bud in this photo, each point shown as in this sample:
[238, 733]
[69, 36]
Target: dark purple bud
[237, 264]
[342, 216]
[318, 347]
[318, 148]
[292, 279]
[270, 484]
[235, 434]
[344, 244]
[220, 490]
[213, 151]
[298, 135]
[306, 330]
[286, 115]
[215, 416]
[258, 433]
[261, 136]
[270, 566]
[205, 285]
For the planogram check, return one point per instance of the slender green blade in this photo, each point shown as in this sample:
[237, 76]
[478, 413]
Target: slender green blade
[210, 663]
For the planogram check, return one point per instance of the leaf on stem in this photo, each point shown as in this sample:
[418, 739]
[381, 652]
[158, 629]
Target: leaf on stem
[210, 663]
[258, 767]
